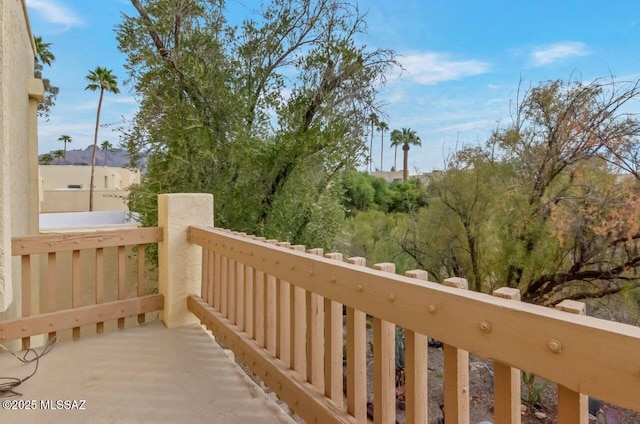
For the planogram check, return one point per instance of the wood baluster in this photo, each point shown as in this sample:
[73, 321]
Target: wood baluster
[231, 290]
[456, 373]
[416, 356]
[141, 277]
[271, 330]
[121, 280]
[333, 337]
[99, 284]
[283, 315]
[75, 287]
[298, 329]
[572, 406]
[506, 380]
[51, 286]
[315, 335]
[204, 288]
[224, 285]
[26, 294]
[384, 364]
[357, 358]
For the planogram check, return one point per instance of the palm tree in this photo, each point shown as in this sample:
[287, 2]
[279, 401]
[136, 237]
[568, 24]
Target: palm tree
[65, 139]
[58, 154]
[99, 79]
[409, 137]
[46, 159]
[106, 146]
[396, 140]
[43, 54]
[373, 118]
[382, 127]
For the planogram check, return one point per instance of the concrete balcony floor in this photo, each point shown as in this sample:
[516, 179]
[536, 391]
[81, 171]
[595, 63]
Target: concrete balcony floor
[146, 374]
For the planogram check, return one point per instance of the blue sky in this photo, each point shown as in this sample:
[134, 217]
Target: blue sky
[463, 59]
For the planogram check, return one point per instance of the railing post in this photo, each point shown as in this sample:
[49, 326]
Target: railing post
[506, 386]
[456, 373]
[179, 261]
[572, 406]
[416, 355]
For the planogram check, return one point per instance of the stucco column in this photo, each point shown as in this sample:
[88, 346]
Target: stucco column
[180, 262]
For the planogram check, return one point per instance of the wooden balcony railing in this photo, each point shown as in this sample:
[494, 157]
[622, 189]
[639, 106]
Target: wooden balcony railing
[280, 309]
[75, 288]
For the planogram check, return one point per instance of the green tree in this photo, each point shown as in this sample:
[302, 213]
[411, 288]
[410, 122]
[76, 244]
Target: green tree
[44, 56]
[382, 127]
[58, 154]
[106, 146]
[65, 139]
[46, 159]
[560, 137]
[409, 138]
[215, 117]
[396, 140]
[99, 79]
[43, 53]
[540, 207]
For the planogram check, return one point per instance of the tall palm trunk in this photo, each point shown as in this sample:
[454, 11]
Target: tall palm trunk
[381, 149]
[371, 150]
[395, 159]
[95, 148]
[405, 172]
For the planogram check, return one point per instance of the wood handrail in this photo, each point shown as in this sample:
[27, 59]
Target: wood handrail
[47, 243]
[584, 354]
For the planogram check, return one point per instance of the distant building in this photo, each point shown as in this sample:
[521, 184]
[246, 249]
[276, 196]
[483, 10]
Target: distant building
[66, 188]
[388, 176]
[391, 176]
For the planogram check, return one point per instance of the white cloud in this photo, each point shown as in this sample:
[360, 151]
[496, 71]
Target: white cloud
[52, 11]
[432, 68]
[467, 126]
[545, 55]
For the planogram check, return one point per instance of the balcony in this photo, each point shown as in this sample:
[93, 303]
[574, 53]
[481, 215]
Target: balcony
[297, 318]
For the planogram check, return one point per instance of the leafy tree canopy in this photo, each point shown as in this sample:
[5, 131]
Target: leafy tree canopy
[547, 205]
[266, 115]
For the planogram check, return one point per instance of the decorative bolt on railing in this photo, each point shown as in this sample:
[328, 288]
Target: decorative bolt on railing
[554, 346]
[485, 326]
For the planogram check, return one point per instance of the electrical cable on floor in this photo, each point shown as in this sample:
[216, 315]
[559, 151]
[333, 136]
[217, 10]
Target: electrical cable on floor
[8, 384]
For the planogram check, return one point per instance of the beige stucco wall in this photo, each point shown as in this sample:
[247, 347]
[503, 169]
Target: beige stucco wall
[78, 200]
[19, 93]
[109, 193]
[106, 177]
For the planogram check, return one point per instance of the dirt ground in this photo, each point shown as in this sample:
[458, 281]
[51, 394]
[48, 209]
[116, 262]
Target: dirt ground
[480, 395]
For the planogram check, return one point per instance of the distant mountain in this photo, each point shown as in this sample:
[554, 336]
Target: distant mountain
[116, 157]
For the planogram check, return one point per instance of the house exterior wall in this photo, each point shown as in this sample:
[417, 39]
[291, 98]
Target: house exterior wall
[19, 94]
[110, 190]
[106, 177]
[78, 200]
